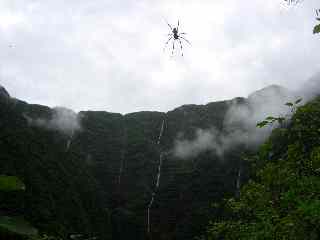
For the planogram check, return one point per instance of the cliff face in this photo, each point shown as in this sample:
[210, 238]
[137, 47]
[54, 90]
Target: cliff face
[101, 174]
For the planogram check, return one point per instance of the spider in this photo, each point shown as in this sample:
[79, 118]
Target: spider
[175, 35]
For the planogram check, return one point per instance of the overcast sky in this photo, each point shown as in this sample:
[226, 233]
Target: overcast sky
[108, 55]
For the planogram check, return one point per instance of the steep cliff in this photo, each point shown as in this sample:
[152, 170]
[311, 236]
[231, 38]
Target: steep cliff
[139, 175]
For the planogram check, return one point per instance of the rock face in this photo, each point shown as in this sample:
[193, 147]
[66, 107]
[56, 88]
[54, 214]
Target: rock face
[99, 182]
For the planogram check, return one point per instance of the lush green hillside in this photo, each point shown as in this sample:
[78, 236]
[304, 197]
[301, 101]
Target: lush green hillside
[282, 201]
[100, 178]
[62, 196]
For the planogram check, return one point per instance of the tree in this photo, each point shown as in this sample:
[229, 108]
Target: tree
[282, 200]
[14, 225]
[316, 29]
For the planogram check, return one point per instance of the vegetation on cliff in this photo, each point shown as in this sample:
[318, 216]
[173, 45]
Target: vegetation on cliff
[281, 201]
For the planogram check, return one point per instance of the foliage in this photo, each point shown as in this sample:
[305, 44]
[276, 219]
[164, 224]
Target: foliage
[62, 196]
[14, 225]
[78, 191]
[11, 183]
[280, 120]
[282, 202]
[317, 27]
[292, 2]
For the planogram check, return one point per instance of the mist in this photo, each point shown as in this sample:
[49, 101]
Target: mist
[239, 126]
[63, 120]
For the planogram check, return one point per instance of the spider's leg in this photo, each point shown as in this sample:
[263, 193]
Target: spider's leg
[172, 47]
[168, 24]
[168, 40]
[182, 33]
[178, 26]
[166, 43]
[181, 47]
[185, 40]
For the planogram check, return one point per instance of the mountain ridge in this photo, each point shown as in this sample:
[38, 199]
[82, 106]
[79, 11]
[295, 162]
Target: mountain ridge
[273, 87]
[115, 158]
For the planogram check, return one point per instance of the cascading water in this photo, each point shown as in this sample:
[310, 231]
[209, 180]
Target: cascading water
[68, 145]
[238, 184]
[161, 132]
[69, 141]
[238, 181]
[121, 168]
[123, 153]
[157, 179]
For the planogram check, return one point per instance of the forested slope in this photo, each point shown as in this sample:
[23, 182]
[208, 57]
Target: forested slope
[100, 174]
[282, 199]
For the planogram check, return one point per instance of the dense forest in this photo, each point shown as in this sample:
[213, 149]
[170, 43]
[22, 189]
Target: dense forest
[281, 200]
[244, 168]
[100, 175]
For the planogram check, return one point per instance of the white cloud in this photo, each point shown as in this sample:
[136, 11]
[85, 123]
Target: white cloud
[239, 124]
[63, 120]
[108, 55]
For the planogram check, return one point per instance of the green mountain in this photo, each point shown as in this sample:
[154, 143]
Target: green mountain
[282, 199]
[144, 175]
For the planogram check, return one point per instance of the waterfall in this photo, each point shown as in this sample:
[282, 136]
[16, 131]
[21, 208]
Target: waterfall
[69, 141]
[157, 179]
[68, 145]
[238, 184]
[123, 154]
[121, 167]
[159, 171]
[161, 132]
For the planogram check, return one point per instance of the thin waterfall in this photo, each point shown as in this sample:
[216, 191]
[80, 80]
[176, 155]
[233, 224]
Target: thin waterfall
[161, 132]
[157, 179]
[69, 141]
[238, 181]
[238, 184]
[123, 154]
[159, 171]
[121, 167]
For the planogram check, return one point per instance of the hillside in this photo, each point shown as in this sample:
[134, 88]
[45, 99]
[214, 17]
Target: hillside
[111, 176]
[282, 199]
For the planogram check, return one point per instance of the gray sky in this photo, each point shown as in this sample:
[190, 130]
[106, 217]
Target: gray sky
[108, 55]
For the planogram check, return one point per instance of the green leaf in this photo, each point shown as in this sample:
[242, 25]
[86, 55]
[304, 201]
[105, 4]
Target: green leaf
[17, 226]
[316, 29]
[262, 124]
[11, 183]
[270, 118]
[281, 120]
[297, 101]
[289, 104]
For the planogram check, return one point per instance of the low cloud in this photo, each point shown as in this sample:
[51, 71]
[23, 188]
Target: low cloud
[63, 120]
[204, 140]
[239, 125]
[311, 88]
